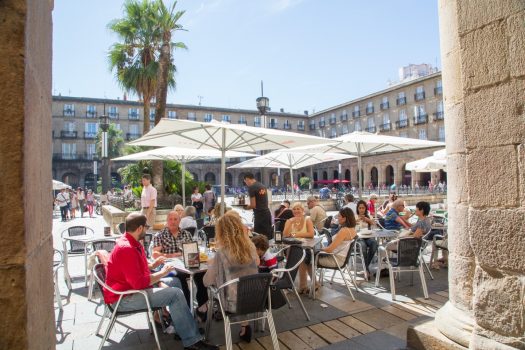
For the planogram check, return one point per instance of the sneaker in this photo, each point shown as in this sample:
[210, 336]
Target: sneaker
[170, 330]
[200, 345]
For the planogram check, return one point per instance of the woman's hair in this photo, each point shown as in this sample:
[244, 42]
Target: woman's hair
[190, 211]
[424, 207]
[195, 188]
[362, 202]
[348, 214]
[178, 207]
[297, 204]
[217, 210]
[231, 237]
[207, 187]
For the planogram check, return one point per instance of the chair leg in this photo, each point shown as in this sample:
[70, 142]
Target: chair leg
[104, 315]
[300, 302]
[151, 323]
[346, 283]
[379, 266]
[90, 286]
[228, 333]
[423, 281]
[108, 330]
[210, 315]
[392, 283]
[427, 268]
[273, 333]
[287, 300]
[57, 293]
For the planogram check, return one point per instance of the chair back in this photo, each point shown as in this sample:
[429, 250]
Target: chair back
[106, 245]
[408, 250]
[200, 223]
[122, 228]
[147, 242]
[191, 231]
[209, 231]
[77, 247]
[99, 271]
[327, 233]
[252, 293]
[328, 222]
[294, 257]
[58, 258]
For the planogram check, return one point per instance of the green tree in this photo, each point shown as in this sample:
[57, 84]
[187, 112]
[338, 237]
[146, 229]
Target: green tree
[304, 182]
[115, 142]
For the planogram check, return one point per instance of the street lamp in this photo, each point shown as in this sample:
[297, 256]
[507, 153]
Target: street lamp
[104, 126]
[263, 105]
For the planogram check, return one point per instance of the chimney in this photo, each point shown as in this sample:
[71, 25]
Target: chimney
[282, 110]
[305, 112]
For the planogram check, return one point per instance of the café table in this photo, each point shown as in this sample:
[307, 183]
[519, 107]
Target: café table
[178, 264]
[85, 241]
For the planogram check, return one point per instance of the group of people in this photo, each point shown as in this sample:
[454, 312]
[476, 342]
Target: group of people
[69, 201]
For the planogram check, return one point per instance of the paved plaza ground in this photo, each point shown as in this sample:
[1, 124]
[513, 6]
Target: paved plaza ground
[373, 321]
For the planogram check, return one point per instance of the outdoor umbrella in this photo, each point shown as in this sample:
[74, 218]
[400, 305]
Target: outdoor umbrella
[360, 143]
[182, 155]
[223, 137]
[290, 160]
[435, 162]
[57, 185]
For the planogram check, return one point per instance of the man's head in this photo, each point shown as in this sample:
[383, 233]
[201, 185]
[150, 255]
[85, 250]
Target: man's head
[398, 205]
[173, 221]
[136, 225]
[349, 198]
[311, 202]
[249, 179]
[286, 203]
[146, 180]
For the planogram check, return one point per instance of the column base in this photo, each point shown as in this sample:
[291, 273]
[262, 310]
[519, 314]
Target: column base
[455, 324]
[427, 336]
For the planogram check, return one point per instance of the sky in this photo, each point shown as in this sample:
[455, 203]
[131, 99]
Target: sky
[311, 54]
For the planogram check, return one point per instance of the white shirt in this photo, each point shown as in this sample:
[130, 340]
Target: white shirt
[148, 194]
[186, 222]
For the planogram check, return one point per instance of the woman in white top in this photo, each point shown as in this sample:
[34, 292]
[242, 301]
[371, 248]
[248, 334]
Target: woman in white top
[189, 219]
[341, 241]
[196, 201]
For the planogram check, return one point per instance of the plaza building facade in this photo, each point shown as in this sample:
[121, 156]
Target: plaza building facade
[412, 108]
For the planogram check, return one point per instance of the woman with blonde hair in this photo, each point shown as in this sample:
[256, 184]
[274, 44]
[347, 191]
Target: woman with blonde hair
[236, 257]
[299, 225]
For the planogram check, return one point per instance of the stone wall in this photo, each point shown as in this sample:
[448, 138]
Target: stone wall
[483, 56]
[26, 283]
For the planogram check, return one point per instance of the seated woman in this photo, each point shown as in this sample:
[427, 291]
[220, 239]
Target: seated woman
[188, 220]
[368, 245]
[235, 257]
[301, 226]
[341, 241]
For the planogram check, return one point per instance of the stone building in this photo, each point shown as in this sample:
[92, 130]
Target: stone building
[410, 109]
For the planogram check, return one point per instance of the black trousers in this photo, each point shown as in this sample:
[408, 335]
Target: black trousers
[202, 291]
[263, 223]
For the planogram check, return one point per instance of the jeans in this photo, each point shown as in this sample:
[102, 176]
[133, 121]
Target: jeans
[369, 249]
[180, 313]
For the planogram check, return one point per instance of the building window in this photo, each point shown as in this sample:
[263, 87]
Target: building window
[91, 151]
[172, 114]
[422, 134]
[357, 112]
[322, 122]
[420, 93]
[257, 121]
[272, 124]
[441, 133]
[287, 125]
[117, 126]
[152, 115]
[91, 130]
[403, 134]
[226, 118]
[371, 125]
[192, 116]
[113, 112]
[208, 117]
[134, 128]
[384, 103]
[344, 129]
[386, 123]
[69, 110]
[403, 119]
[333, 132]
[401, 99]
[344, 116]
[91, 111]
[370, 107]
[438, 90]
[357, 126]
[133, 114]
[242, 120]
[300, 125]
[69, 151]
[333, 119]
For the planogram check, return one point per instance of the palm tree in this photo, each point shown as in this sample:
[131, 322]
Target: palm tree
[135, 57]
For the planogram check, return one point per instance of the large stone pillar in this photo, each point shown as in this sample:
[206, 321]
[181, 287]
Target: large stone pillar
[483, 57]
[26, 282]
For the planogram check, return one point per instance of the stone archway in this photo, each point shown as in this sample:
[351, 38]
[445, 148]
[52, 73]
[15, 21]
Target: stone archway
[229, 179]
[70, 179]
[407, 177]
[325, 175]
[209, 178]
[389, 175]
[336, 175]
[274, 179]
[240, 179]
[195, 176]
[374, 176]
[316, 185]
[347, 175]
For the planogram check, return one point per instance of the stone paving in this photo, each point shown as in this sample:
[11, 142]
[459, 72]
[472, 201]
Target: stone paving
[373, 321]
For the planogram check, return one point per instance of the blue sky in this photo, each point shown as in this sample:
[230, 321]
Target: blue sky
[311, 54]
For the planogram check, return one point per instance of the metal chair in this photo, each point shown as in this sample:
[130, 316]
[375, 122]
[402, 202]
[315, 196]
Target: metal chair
[200, 223]
[438, 242]
[253, 303]
[284, 277]
[424, 244]
[356, 251]
[58, 261]
[208, 232]
[77, 248]
[408, 258]
[106, 245]
[99, 271]
[338, 267]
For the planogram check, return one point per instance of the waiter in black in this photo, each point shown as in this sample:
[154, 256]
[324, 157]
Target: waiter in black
[259, 203]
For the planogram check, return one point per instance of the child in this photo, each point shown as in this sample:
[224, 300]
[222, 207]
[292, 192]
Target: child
[268, 260]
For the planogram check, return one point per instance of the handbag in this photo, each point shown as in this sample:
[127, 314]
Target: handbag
[197, 205]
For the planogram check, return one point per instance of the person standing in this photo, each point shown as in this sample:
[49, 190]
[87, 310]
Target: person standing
[74, 203]
[196, 201]
[62, 203]
[90, 200]
[81, 201]
[208, 198]
[259, 203]
[148, 199]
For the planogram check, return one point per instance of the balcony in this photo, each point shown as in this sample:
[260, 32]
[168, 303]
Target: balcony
[207, 119]
[300, 127]
[312, 126]
[400, 124]
[369, 110]
[333, 120]
[322, 123]
[91, 114]
[401, 101]
[344, 117]
[356, 114]
[273, 125]
[192, 118]
[244, 122]
[439, 116]
[385, 127]
[421, 119]
[90, 135]
[132, 136]
[438, 90]
[65, 134]
[69, 112]
[287, 126]
[133, 116]
[371, 129]
[419, 96]
[384, 105]
[66, 156]
[257, 124]
[113, 115]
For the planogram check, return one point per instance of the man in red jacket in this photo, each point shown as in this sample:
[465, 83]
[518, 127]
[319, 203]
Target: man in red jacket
[128, 269]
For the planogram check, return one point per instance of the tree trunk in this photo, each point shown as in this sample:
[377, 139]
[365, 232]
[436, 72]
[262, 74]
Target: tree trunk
[147, 102]
[158, 181]
[162, 78]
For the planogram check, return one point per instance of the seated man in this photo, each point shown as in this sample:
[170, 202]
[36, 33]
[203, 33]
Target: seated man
[392, 219]
[317, 213]
[168, 243]
[324, 192]
[128, 269]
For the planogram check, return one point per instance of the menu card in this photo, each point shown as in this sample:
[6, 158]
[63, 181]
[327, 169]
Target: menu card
[190, 253]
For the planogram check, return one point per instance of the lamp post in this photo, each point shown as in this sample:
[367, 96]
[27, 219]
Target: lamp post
[263, 105]
[106, 177]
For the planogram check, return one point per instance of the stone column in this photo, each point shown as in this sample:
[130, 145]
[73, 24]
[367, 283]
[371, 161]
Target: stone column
[413, 179]
[380, 174]
[483, 57]
[26, 282]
